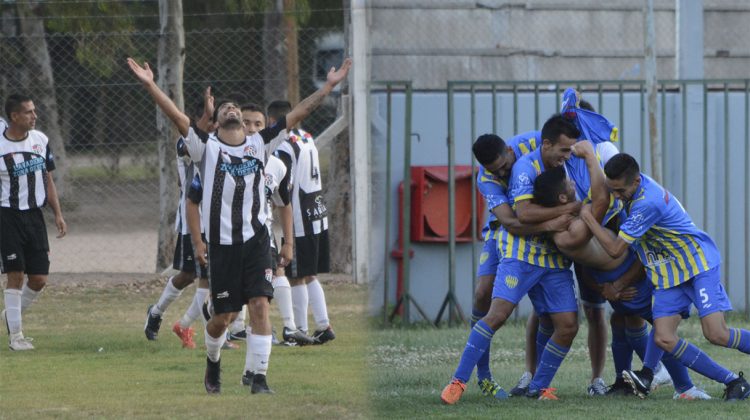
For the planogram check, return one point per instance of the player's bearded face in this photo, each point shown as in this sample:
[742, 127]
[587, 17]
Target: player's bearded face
[621, 189]
[501, 166]
[230, 116]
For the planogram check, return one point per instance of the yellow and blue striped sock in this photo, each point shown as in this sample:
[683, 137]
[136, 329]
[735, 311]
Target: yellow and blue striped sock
[694, 358]
[477, 345]
[739, 339]
[551, 360]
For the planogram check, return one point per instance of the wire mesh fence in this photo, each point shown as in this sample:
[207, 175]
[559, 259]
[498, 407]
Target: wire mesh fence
[102, 124]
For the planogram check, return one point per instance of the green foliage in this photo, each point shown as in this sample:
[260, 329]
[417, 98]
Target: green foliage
[99, 52]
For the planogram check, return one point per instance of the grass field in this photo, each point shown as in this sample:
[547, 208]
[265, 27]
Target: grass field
[412, 365]
[92, 360]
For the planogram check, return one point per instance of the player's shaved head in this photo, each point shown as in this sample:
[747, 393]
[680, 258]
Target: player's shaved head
[622, 166]
[487, 148]
[277, 109]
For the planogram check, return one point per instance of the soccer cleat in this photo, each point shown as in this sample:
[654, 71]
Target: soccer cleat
[693, 393]
[153, 323]
[490, 388]
[522, 386]
[228, 345]
[639, 383]
[247, 378]
[452, 392]
[324, 336]
[297, 336]
[597, 387]
[185, 334]
[738, 389]
[239, 335]
[259, 385]
[661, 377]
[212, 379]
[20, 343]
[619, 388]
[548, 394]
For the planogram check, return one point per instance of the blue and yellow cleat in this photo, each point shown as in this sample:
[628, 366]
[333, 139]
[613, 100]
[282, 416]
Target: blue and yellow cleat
[490, 388]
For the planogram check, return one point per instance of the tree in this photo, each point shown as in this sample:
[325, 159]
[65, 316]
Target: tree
[170, 68]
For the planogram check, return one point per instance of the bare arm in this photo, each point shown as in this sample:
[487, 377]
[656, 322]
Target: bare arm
[574, 236]
[309, 104]
[287, 250]
[599, 192]
[530, 213]
[146, 77]
[510, 222]
[54, 203]
[613, 246]
[194, 224]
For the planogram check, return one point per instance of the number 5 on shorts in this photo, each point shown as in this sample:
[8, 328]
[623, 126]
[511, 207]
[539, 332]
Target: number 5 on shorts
[704, 296]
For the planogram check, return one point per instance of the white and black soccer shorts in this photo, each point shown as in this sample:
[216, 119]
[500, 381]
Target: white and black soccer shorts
[184, 257]
[240, 272]
[23, 241]
[311, 256]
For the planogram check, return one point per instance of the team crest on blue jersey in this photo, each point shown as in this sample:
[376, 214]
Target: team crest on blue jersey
[483, 257]
[511, 281]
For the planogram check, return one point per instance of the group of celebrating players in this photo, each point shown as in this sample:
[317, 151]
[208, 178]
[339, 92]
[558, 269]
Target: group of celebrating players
[565, 196]
[235, 164]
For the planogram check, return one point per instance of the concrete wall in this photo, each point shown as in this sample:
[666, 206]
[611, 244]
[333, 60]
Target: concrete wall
[433, 41]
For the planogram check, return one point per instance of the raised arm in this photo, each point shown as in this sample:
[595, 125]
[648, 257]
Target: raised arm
[599, 191]
[146, 77]
[309, 104]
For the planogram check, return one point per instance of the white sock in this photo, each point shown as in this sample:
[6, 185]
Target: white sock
[282, 294]
[213, 345]
[168, 296]
[195, 308]
[260, 345]
[13, 310]
[239, 323]
[300, 300]
[28, 296]
[249, 357]
[318, 304]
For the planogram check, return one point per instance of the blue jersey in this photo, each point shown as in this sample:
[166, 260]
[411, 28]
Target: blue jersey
[537, 250]
[577, 170]
[495, 189]
[668, 243]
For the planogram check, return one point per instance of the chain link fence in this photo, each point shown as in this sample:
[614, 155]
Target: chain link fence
[105, 121]
[433, 41]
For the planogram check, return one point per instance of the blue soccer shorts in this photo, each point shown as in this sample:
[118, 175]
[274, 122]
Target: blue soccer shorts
[704, 291]
[490, 256]
[551, 290]
[644, 287]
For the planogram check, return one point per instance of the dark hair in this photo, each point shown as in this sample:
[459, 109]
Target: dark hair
[548, 186]
[584, 104]
[197, 110]
[221, 102]
[487, 148]
[13, 103]
[237, 97]
[278, 109]
[558, 125]
[622, 165]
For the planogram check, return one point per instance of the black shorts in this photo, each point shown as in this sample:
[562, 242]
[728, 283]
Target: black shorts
[184, 257]
[311, 256]
[23, 241]
[238, 273]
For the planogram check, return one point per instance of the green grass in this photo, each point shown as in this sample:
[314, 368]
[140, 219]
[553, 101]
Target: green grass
[68, 376]
[412, 365]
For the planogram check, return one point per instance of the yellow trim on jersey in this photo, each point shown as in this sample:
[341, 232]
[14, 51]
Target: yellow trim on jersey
[698, 249]
[524, 197]
[627, 238]
[532, 142]
[537, 166]
[495, 181]
[614, 136]
[524, 150]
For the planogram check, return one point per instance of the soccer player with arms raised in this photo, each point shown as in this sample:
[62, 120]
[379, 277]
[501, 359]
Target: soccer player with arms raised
[231, 165]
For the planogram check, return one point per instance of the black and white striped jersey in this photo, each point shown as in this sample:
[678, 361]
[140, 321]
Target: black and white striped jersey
[233, 202]
[186, 170]
[277, 186]
[23, 170]
[300, 155]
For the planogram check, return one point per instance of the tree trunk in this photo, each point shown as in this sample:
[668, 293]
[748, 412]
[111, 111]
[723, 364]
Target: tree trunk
[170, 66]
[41, 87]
[292, 53]
[274, 67]
[339, 205]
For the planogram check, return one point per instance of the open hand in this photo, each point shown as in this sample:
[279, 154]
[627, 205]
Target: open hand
[336, 76]
[144, 74]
